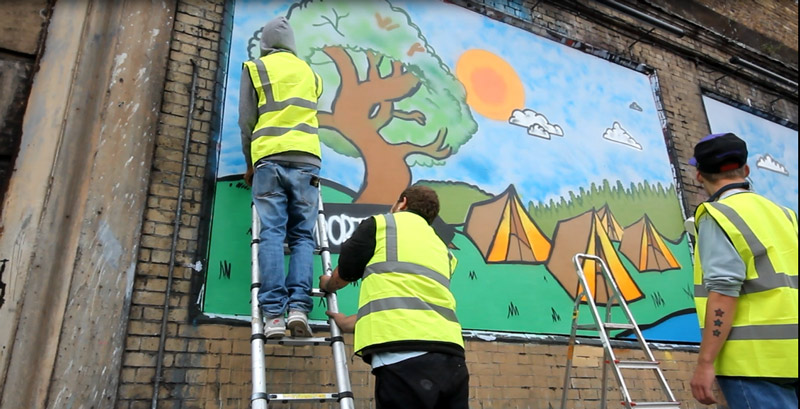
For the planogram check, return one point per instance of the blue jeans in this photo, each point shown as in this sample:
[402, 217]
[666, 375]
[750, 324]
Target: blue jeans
[286, 199]
[755, 393]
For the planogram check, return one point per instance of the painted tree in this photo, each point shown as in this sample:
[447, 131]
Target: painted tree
[388, 97]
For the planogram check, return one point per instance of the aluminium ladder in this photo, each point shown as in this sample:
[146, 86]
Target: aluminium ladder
[260, 398]
[602, 328]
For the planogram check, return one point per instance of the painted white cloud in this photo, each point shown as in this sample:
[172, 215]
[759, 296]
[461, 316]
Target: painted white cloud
[769, 163]
[537, 124]
[619, 135]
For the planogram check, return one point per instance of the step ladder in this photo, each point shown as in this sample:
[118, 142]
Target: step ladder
[602, 327]
[260, 397]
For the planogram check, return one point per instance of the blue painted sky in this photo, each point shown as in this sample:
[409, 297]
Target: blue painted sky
[763, 137]
[582, 94]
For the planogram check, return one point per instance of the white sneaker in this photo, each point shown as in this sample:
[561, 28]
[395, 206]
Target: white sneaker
[274, 327]
[298, 324]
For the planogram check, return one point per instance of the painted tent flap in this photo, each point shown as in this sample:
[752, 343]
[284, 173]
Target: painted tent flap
[585, 234]
[610, 224]
[645, 247]
[503, 231]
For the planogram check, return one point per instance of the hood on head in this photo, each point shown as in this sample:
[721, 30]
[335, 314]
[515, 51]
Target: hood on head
[277, 34]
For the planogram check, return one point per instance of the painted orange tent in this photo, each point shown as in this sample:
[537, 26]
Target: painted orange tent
[585, 234]
[610, 224]
[645, 248]
[504, 232]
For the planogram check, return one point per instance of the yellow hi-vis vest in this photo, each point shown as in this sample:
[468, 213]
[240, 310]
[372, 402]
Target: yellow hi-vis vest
[763, 340]
[288, 90]
[405, 291]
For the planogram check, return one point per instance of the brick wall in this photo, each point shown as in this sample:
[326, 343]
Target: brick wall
[200, 363]
[775, 19]
[208, 365]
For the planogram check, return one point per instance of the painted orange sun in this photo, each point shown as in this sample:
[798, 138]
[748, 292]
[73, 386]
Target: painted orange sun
[494, 89]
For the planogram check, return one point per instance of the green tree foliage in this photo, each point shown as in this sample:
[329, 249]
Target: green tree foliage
[380, 28]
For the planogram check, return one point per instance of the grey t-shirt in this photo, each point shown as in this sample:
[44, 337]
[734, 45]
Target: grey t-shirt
[723, 268]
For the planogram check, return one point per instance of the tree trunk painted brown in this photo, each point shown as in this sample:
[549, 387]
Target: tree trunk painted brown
[361, 109]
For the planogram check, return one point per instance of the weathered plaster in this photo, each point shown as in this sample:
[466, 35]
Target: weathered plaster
[74, 210]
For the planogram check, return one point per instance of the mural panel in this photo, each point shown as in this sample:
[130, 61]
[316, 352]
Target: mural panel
[537, 151]
[772, 150]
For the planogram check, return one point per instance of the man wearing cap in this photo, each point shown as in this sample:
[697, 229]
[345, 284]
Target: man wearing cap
[745, 280]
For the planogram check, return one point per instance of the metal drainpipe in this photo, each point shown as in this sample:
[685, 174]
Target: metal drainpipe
[176, 227]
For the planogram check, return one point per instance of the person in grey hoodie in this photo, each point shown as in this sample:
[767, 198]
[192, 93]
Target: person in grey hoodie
[278, 120]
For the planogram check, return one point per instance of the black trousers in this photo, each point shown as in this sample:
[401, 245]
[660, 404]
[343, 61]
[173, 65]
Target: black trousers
[430, 381]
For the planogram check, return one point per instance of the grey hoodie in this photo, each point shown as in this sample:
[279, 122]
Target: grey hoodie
[277, 35]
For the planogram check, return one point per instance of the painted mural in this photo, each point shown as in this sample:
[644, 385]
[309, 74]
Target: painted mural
[537, 150]
[772, 150]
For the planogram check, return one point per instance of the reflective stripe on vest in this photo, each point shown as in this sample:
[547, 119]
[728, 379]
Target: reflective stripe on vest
[407, 300]
[406, 303]
[288, 124]
[768, 278]
[392, 264]
[763, 338]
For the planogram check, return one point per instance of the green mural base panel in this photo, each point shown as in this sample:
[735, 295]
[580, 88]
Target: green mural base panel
[493, 297]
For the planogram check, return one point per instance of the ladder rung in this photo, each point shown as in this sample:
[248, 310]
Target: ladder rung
[316, 292]
[291, 341]
[636, 364]
[607, 325]
[303, 397]
[654, 405]
[612, 325]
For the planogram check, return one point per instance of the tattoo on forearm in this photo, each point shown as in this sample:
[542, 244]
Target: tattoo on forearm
[718, 322]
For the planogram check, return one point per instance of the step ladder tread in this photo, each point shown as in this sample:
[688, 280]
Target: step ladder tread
[636, 361]
[607, 325]
[304, 397]
[637, 364]
[655, 405]
[613, 325]
[292, 341]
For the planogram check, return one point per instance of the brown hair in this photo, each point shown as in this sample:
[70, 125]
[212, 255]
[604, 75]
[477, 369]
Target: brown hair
[423, 201]
[738, 173]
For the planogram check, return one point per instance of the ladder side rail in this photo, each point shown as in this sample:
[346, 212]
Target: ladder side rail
[571, 349]
[609, 279]
[601, 328]
[607, 358]
[649, 356]
[258, 399]
[346, 399]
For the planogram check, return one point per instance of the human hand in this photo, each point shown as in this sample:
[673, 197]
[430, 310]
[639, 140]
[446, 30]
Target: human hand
[323, 282]
[248, 176]
[346, 323]
[337, 316]
[701, 383]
